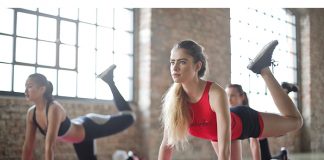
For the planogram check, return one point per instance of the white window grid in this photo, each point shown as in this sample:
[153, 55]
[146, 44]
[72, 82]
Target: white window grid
[70, 47]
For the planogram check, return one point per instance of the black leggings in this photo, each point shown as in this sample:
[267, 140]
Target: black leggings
[265, 151]
[251, 126]
[97, 126]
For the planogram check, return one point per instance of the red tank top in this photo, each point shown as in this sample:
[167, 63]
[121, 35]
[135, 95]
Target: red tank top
[204, 123]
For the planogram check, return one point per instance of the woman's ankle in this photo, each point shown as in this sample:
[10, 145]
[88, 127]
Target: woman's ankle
[265, 71]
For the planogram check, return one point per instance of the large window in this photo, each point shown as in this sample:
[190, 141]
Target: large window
[70, 47]
[251, 29]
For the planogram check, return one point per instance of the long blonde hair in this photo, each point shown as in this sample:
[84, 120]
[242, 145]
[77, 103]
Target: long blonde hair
[176, 116]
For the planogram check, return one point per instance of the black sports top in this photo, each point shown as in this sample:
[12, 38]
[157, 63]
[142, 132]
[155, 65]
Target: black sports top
[64, 126]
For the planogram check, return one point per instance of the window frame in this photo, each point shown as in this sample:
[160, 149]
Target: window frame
[130, 78]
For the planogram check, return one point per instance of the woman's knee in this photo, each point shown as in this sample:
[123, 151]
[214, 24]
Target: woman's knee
[299, 122]
[129, 116]
[296, 122]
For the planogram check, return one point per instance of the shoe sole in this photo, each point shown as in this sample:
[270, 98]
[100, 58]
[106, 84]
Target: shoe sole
[101, 75]
[271, 44]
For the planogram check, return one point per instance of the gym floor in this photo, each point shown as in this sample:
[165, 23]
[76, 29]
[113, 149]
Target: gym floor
[302, 156]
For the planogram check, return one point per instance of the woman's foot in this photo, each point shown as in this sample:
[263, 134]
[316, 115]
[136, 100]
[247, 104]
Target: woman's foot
[283, 155]
[289, 87]
[108, 74]
[263, 59]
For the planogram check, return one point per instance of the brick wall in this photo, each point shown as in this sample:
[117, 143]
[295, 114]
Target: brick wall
[313, 79]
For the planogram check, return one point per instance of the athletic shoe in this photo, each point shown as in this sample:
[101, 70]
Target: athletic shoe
[263, 59]
[108, 74]
[283, 154]
[289, 87]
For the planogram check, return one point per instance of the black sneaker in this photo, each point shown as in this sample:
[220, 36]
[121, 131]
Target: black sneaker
[289, 87]
[283, 154]
[263, 59]
[108, 74]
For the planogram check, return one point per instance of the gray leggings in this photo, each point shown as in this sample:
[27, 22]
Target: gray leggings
[97, 126]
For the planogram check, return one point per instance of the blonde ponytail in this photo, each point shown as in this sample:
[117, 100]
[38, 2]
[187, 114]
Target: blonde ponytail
[176, 115]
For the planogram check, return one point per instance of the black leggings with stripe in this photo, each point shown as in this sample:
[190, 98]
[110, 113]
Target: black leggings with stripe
[110, 124]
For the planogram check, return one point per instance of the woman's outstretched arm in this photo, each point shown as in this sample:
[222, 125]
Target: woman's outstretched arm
[29, 143]
[255, 148]
[55, 117]
[219, 105]
[165, 152]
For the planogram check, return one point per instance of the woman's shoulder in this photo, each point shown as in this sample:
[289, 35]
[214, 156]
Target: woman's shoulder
[55, 103]
[56, 107]
[31, 108]
[215, 87]
[30, 112]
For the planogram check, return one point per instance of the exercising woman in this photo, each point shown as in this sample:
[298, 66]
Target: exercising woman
[237, 97]
[193, 105]
[259, 148]
[50, 117]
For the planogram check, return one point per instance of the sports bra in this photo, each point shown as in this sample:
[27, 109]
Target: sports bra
[64, 126]
[204, 122]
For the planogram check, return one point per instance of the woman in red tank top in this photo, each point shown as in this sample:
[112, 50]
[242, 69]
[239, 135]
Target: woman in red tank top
[191, 104]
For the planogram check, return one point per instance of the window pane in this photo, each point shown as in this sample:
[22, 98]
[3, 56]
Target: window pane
[105, 17]
[51, 75]
[6, 74]
[6, 15]
[67, 83]
[6, 48]
[87, 35]
[69, 13]
[105, 40]
[47, 29]
[86, 61]
[290, 18]
[20, 76]
[51, 11]
[291, 31]
[26, 50]
[104, 60]
[103, 90]
[26, 25]
[124, 19]
[124, 65]
[124, 42]
[68, 32]
[46, 53]
[86, 85]
[88, 15]
[67, 56]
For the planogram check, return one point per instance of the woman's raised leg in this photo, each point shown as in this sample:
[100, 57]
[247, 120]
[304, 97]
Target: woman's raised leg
[290, 118]
[108, 77]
